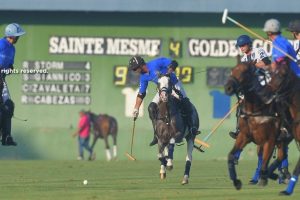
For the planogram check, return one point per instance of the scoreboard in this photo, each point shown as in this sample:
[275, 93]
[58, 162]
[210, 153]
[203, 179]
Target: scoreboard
[56, 82]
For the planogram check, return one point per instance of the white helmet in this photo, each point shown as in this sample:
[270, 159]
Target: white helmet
[272, 25]
[14, 30]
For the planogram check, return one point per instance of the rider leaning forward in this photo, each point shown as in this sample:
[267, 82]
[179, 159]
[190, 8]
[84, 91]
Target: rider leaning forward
[7, 55]
[149, 72]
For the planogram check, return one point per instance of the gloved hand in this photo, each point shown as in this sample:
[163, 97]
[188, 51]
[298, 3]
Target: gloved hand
[135, 113]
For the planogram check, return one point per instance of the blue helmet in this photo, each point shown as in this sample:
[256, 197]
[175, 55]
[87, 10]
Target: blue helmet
[242, 40]
[14, 30]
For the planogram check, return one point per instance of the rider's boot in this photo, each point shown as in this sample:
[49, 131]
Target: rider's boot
[152, 109]
[8, 110]
[188, 110]
[7, 139]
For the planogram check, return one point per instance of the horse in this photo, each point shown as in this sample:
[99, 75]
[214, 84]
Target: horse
[286, 86]
[104, 126]
[258, 123]
[171, 127]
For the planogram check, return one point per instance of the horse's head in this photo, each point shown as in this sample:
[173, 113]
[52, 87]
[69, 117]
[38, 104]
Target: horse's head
[164, 87]
[240, 77]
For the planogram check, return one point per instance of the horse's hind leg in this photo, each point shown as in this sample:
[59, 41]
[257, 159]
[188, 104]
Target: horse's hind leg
[94, 142]
[107, 149]
[188, 161]
[292, 183]
[290, 188]
[115, 146]
[268, 148]
[255, 177]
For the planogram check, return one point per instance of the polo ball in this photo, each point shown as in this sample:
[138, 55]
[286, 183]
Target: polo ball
[85, 182]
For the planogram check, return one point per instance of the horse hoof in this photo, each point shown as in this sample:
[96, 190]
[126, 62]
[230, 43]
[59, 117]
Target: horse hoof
[185, 180]
[263, 182]
[163, 176]
[284, 193]
[237, 184]
[169, 167]
[273, 176]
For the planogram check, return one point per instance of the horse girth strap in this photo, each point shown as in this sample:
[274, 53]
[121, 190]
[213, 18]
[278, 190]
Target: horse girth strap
[258, 114]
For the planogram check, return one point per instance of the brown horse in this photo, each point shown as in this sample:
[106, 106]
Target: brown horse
[103, 126]
[258, 122]
[286, 85]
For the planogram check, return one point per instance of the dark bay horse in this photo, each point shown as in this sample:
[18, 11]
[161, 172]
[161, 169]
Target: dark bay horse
[286, 85]
[258, 123]
[104, 126]
[171, 128]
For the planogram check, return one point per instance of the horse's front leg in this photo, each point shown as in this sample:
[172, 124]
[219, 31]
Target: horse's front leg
[268, 148]
[233, 158]
[162, 159]
[188, 160]
[170, 154]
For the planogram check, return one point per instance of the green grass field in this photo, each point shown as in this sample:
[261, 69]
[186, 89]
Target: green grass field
[55, 180]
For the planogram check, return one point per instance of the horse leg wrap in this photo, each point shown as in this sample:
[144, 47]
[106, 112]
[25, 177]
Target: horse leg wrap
[187, 168]
[231, 167]
[257, 171]
[171, 151]
[291, 185]
[264, 174]
[163, 161]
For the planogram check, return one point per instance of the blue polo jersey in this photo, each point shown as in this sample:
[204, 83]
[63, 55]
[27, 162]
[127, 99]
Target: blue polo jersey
[7, 54]
[286, 46]
[155, 67]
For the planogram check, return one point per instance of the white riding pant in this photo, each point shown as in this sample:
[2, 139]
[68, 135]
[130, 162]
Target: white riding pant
[178, 86]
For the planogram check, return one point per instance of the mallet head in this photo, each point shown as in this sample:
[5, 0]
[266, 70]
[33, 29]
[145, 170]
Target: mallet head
[225, 14]
[130, 157]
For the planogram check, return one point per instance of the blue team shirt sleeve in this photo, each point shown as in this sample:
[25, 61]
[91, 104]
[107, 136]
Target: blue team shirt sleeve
[7, 54]
[143, 85]
[156, 66]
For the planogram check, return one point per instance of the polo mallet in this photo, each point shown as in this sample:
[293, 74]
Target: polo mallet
[203, 142]
[130, 156]
[225, 17]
